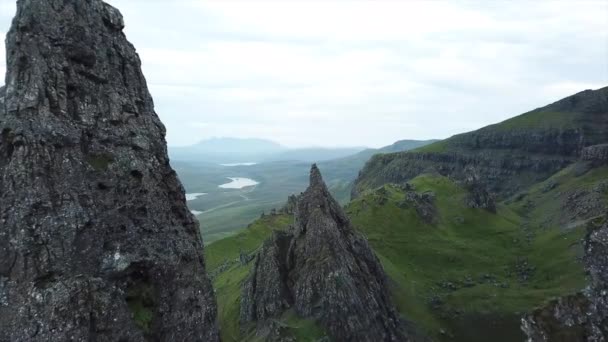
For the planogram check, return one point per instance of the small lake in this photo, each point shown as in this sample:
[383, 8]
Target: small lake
[239, 164]
[239, 183]
[195, 195]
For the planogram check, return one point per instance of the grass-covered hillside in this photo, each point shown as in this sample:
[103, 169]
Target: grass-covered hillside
[456, 273]
[509, 156]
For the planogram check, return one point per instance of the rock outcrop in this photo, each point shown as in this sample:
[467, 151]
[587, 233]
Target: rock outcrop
[596, 154]
[323, 270]
[584, 316]
[96, 241]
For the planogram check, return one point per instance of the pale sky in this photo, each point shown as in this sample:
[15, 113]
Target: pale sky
[339, 73]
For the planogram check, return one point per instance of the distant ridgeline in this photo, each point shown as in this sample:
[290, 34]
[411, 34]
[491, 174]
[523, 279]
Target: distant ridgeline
[508, 156]
[471, 232]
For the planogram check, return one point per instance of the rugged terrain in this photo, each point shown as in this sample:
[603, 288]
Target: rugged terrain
[96, 241]
[509, 156]
[583, 316]
[323, 270]
[465, 259]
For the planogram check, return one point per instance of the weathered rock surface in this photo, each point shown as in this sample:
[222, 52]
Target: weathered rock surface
[478, 194]
[96, 241]
[423, 203]
[580, 317]
[597, 154]
[323, 270]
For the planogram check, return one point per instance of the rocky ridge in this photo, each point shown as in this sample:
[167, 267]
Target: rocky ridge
[96, 241]
[509, 156]
[323, 270]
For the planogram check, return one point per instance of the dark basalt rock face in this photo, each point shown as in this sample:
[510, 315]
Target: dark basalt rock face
[323, 270]
[581, 317]
[96, 241]
[500, 173]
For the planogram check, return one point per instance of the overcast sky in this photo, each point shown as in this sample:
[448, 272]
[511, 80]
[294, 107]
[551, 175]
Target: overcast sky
[358, 73]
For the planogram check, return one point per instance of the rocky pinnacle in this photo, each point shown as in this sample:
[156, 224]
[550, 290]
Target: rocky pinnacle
[96, 241]
[323, 270]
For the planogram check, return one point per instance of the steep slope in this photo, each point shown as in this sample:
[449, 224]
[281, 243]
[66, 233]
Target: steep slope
[509, 156]
[584, 316]
[458, 273]
[96, 241]
[323, 270]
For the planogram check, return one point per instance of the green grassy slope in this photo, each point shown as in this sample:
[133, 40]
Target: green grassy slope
[509, 156]
[468, 277]
[472, 263]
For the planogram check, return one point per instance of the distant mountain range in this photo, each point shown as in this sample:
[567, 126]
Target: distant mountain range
[237, 150]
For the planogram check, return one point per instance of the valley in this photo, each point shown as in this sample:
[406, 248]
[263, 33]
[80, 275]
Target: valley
[225, 210]
[468, 247]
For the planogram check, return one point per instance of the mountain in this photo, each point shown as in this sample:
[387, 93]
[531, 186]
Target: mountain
[508, 156]
[227, 150]
[321, 271]
[473, 236]
[318, 154]
[236, 150]
[96, 241]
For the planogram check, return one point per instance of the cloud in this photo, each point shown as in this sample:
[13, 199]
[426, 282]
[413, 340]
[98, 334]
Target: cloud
[359, 72]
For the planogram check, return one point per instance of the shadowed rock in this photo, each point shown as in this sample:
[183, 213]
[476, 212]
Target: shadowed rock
[96, 241]
[323, 270]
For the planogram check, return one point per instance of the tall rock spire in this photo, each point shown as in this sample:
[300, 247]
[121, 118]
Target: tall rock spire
[323, 270]
[96, 241]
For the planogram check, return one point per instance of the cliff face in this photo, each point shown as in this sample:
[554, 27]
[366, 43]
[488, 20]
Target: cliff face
[96, 241]
[581, 317]
[323, 270]
[508, 156]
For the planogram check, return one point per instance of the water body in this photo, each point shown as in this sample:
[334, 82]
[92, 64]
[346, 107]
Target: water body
[239, 164]
[239, 183]
[193, 196]
[196, 212]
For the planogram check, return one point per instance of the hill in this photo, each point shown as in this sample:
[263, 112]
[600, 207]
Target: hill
[474, 231]
[508, 156]
[450, 265]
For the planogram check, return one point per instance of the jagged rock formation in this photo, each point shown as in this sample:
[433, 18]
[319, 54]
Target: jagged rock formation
[324, 271]
[597, 154]
[581, 317]
[290, 206]
[96, 241]
[423, 203]
[509, 156]
[478, 194]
